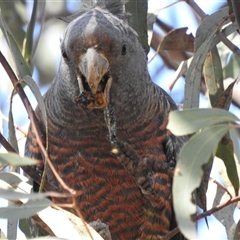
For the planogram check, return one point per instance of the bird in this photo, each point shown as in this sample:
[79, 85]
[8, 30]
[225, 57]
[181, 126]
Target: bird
[107, 127]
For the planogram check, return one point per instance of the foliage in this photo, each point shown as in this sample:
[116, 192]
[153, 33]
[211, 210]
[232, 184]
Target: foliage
[214, 131]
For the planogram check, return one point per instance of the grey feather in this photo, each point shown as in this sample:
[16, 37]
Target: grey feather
[116, 7]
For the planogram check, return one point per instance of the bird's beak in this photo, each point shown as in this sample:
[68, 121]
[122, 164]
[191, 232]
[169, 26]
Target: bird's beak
[94, 79]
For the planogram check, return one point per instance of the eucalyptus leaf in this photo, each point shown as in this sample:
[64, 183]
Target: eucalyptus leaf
[188, 174]
[22, 67]
[13, 178]
[209, 24]
[212, 70]
[3, 237]
[237, 230]
[11, 129]
[138, 10]
[226, 153]
[232, 68]
[29, 47]
[194, 74]
[204, 37]
[15, 160]
[225, 99]
[12, 228]
[35, 90]
[28, 40]
[229, 29]
[25, 210]
[236, 146]
[24, 226]
[191, 120]
[12, 194]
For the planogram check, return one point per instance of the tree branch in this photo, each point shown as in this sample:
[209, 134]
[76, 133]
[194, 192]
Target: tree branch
[27, 169]
[196, 8]
[228, 43]
[236, 10]
[203, 215]
[32, 117]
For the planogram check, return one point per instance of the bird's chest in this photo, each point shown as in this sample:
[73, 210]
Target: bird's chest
[108, 192]
[83, 156]
[84, 161]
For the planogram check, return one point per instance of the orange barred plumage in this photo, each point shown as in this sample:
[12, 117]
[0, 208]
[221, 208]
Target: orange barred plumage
[131, 190]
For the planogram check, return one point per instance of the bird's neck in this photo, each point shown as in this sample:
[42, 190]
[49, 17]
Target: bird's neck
[131, 102]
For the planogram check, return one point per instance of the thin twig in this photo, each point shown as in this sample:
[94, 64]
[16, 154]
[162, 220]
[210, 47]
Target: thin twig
[217, 208]
[16, 126]
[171, 234]
[223, 188]
[3, 167]
[203, 215]
[6, 144]
[32, 117]
[196, 8]
[171, 4]
[228, 43]
[28, 169]
[72, 206]
[236, 10]
[37, 132]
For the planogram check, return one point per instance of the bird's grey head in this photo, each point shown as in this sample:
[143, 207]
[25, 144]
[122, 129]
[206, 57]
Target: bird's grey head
[93, 45]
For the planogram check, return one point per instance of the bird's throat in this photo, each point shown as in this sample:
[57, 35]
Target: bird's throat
[94, 100]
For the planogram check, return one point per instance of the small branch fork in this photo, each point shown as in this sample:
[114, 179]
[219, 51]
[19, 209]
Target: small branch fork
[204, 215]
[28, 169]
[223, 38]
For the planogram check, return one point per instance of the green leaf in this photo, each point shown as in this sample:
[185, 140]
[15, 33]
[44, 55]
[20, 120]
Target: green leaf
[191, 120]
[29, 228]
[188, 174]
[203, 43]
[209, 25]
[225, 152]
[235, 138]
[212, 71]
[23, 225]
[3, 236]
[28, 40]
[15, 160]
[35, 90]
[225, 99]
[22, 67]
[228, 30]
[237, 230]
[232, 68]
[138, 10]
[11, 129]
[194, 74]
[28, 49]
[13, 178]
[12, 194]
[25, 210]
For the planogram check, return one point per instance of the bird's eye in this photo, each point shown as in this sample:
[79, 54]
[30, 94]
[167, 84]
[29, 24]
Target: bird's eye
[64, 54]
[124, 49]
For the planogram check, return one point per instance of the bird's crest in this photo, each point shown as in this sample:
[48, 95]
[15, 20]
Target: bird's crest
[116, 7]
